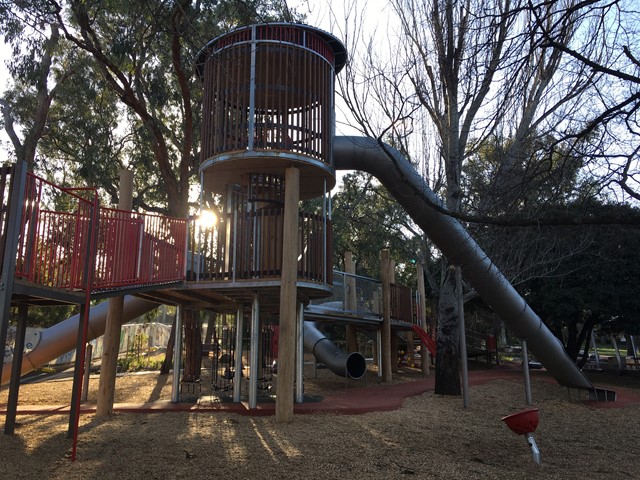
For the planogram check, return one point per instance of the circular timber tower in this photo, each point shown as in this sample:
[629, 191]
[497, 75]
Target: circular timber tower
[269, 104]
[267, 143]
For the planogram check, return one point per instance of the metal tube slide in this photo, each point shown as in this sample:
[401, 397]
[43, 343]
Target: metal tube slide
[341, 363]
[410, 190]
[61, 337]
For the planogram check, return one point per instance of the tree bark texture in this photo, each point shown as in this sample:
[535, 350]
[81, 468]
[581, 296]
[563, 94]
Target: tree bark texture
[447, 362]
[193, 346]
[167, 363]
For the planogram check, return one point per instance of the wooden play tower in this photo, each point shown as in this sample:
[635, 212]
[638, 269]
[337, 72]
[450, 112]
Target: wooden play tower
[267, 141]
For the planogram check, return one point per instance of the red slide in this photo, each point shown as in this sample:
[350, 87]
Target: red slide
[425, 339]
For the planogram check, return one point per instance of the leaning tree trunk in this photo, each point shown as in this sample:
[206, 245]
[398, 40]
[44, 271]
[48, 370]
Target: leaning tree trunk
[168, 356]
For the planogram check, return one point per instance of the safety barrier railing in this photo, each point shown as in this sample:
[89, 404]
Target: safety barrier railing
[139, 249]
[401, 303]
[355, 294]
[362, 295]
[248, 245]
[6, 172]
[55, 234]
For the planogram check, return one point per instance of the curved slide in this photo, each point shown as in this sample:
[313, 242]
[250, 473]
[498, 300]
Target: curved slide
[341, 363]
[410, 190]
[61, 337]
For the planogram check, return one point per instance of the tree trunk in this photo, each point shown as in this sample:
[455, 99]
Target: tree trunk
[211, 326]
[447, 362]
[193, 346]
[629, 343]
[167, 364]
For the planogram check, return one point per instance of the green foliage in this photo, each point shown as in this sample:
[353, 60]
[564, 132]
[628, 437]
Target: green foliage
[131, 97]
[504, 180]
[138, 357]
[367, 219]
[597, 285]
[132, 364]
[83, 144]
[45, 317]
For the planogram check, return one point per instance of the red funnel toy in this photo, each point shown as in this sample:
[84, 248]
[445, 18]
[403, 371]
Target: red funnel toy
[523, 422]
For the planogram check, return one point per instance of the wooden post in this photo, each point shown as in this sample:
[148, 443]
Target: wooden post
[351, 300]
[254, 356]
[394, 353]
[288, 298]
[111, 342]
[410, 349]
[422, 319]
[385, 276]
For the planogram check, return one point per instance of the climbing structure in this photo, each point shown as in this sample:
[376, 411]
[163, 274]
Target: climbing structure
[268, 128]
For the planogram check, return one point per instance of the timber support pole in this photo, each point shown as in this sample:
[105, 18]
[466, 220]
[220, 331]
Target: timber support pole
[386, 268]
[422, 319]
[111, 342]
[351, 299]
[288, 299]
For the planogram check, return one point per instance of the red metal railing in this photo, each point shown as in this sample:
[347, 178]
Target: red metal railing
[131, 248]
[54, 245]
[139, 249]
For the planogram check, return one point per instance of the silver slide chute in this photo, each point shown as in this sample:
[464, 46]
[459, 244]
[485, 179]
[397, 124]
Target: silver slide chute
[410, 190]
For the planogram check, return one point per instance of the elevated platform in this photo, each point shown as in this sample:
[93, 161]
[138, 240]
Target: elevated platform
[332, 314]
[225, 296]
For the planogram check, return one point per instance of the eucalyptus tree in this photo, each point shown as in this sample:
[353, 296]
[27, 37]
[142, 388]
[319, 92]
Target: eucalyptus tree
[365, 220]
[36, 84]
[135, 101]
[596, 287]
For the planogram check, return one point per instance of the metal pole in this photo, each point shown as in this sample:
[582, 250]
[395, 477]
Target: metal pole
[18, 181]
[324, 232]
[177, 357]
[197, 233]
[237, 377]
[252, 92]
[235, 243]
[83, 330]
[621, 365]
[300, 355]
[253, 352]
[227, 237]
[16, 364]
[525, 369]
[463, 341]
[379, 351]
[87, 372]
[534, 449]
[595, 349]
[345, 302]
